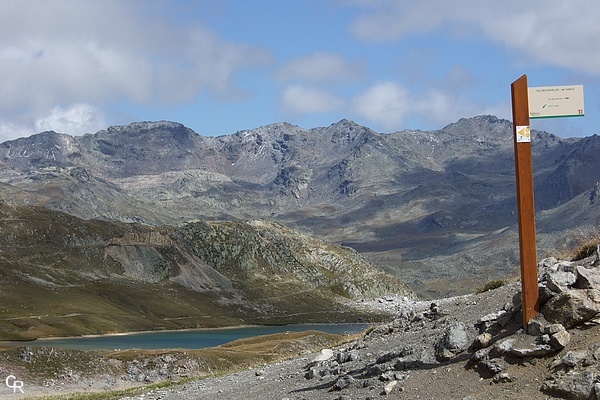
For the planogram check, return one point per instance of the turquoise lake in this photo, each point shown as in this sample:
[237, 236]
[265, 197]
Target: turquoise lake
[188, 339]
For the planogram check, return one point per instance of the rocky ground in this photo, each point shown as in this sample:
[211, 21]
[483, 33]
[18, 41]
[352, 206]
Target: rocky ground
[465, 347]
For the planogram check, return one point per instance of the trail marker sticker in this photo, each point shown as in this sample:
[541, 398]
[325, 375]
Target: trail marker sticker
[556, 101]
[523, 134]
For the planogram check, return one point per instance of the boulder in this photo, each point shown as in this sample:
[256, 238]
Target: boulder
[560, 340]
[572, 358]
[560, 281]
[572, 385]
[503, 346]
[454, 341]
[587, 278]
[572, 308]
[536, 325]
[347, 356]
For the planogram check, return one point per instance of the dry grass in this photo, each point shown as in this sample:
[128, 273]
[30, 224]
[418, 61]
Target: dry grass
[228, 358]
[588, 242]
[491, 285]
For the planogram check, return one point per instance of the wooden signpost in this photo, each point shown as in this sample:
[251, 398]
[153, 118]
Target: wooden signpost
[543, 102]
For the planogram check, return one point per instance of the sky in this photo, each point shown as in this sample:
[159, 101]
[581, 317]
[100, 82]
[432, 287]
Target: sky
[220, 66]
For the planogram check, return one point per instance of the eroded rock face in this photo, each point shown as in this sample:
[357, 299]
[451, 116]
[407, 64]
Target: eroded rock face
[265, 250]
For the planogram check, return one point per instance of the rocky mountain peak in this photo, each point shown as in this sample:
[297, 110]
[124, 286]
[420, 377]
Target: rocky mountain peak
[343, 182]
[145, 126]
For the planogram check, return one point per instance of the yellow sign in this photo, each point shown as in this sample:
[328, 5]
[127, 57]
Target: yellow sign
[556, 101]
[523, 134]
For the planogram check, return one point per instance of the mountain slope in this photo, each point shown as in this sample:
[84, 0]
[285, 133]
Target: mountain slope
[406, 199]
[61, 276]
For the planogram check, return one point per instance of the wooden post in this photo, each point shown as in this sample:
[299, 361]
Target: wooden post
[526, 208]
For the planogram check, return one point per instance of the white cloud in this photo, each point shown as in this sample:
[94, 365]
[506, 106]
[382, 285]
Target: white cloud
[549, 31]
[389, 105]
[11, 130]
[298, 100]
[320, 67]
[96, 52]
[74, 120]
[385, 103]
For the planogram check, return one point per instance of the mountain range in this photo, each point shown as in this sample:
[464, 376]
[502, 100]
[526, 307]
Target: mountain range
[436, 209]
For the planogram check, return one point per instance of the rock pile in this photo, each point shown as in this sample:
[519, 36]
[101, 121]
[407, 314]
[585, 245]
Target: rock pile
[569, 300]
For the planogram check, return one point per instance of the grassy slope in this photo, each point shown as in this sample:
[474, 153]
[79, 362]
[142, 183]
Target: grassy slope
[57, 280]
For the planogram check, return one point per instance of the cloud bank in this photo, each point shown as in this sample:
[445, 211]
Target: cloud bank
[59, 57]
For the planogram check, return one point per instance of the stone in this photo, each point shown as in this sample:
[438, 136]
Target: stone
[311, 373]
[324, 355]
[387, 376]
[545, 293]
[560, 281]
[573, 385]
[488, 318]
[546, 264]
[374, 370]
[343, 382]
[387, 389]
[560, 340]
[347, 356]
[480, 355]
[545, 338]
[565, 266]
[502, 377]
[387, 357]
[503, 346]
[517, 301]
[529, 346]
[572, 308]
[454, 341]
[482, 340]
[539, 350]
[495, 365]
[587, 278]
[572, 358]
[505, 317]
[553, 328]
[536, 325]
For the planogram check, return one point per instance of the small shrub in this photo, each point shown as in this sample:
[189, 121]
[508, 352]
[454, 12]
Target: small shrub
[588, 242]
[491, 285]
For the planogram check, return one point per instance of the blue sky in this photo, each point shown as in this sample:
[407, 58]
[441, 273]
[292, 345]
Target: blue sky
[78, 66]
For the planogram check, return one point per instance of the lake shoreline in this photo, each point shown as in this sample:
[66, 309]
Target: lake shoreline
[185, 339]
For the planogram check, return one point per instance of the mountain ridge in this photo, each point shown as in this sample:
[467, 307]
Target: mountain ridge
[403, 199]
